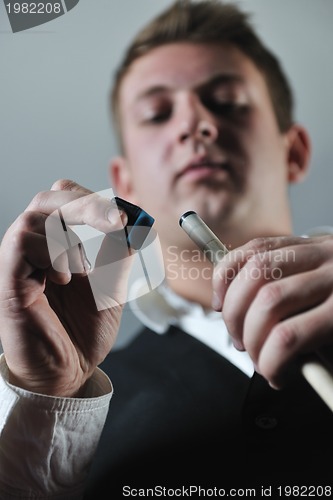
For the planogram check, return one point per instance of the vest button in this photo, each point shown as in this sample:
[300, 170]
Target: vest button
[266, 422]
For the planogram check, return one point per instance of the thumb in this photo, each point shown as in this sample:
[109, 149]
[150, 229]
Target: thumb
[110, 275]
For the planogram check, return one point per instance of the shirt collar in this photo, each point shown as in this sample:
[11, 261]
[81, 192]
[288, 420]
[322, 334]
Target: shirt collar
[162, 307]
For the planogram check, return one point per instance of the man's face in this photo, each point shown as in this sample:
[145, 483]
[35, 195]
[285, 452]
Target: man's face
[199, 133]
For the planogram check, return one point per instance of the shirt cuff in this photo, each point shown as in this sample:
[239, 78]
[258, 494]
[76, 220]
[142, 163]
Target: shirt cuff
[47, 443]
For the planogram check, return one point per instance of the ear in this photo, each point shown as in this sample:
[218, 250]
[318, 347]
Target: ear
[121, 178]
[298, 153]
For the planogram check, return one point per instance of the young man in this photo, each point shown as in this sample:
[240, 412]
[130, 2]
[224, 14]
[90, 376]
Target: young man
[205, 123]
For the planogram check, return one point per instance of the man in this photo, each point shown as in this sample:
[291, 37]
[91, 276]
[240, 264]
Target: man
[205, 123]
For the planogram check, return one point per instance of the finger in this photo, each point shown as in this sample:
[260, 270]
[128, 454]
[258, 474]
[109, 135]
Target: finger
[256, 272]
[66, 251]
[113, 213]
[69, 185]
[77, 207]
[67, 190]
[280, 300]
[23, 243]
[25, 249]
[229, 267]
[109, 278]
[29, 253]
[241, 291]
[71, 260]
[260, 269]
[60, 272]
[95, 211]
[290, 339]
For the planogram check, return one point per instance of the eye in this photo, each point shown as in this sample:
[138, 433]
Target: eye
[159, 117]
[156, 111]
[226, 108]
[232, 109]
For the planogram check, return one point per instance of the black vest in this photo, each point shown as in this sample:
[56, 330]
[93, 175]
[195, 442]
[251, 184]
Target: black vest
[183, 415]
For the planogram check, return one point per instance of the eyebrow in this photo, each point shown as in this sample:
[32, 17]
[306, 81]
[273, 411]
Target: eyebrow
[223, 79]
[219, 79]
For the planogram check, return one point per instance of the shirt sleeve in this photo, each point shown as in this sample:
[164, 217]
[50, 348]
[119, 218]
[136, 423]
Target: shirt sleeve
[47, 443]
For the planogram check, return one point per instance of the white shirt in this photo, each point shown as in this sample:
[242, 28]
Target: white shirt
[47, 443]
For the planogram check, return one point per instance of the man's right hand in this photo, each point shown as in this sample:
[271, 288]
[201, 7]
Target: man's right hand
[52, 333]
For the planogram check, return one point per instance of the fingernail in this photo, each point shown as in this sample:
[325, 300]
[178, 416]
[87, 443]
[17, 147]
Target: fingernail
[216, 302]
[114, 216]
[238, 345]
[68, 275]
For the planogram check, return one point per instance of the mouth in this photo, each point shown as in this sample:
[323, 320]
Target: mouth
[205, 167]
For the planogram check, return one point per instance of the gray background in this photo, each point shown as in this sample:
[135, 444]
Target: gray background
[54, 82]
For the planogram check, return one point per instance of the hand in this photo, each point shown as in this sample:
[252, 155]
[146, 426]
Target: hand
[276, 295]
[52, 333]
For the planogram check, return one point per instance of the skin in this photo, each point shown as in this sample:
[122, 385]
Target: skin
[173, 112]
[175, 115]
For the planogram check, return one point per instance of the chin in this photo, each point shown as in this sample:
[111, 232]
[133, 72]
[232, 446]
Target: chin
[212, 210]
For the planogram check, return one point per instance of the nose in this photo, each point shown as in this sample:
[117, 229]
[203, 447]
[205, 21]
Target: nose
[197, 124]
